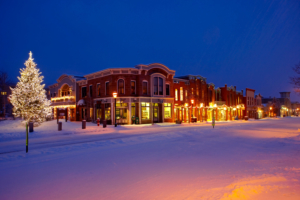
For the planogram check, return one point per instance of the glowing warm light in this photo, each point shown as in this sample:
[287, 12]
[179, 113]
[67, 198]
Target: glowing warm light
[62, 98]
[192, 101]
[225, 108]
[270, 108]
[215, 105]
[115, 95]
[234, 108]
[201, 105]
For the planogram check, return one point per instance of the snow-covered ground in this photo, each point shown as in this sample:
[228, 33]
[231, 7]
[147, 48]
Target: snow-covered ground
[235, 160]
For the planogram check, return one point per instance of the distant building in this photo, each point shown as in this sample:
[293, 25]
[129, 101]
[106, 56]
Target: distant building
[259, 106]
[5, 105]
[281, 106]
[295, 108]
[250, 105]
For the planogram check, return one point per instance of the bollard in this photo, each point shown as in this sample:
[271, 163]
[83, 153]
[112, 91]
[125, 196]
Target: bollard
[98, 122]
[30, 126]
[83, 124]
[59, 126]
[104, 123]
[26, 137]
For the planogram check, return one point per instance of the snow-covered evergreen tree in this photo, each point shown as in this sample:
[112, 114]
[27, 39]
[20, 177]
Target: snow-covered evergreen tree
[29, 96]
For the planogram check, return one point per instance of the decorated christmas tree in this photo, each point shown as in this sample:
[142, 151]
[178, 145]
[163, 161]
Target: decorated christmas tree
[29, 96]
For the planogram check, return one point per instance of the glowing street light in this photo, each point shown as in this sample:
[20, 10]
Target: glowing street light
[192, 101]
[115, 97]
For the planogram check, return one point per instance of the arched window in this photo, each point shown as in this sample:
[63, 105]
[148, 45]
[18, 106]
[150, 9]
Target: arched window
[158, 86]
[121, 86]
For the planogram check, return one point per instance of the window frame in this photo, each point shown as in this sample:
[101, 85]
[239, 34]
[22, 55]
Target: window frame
[181, 93]
[123, 86]
[144, 81]
[106, 92]
[82, 91]
[168, 89]
[134, 87]
[91, 90]
[98, 91]
[168, 105]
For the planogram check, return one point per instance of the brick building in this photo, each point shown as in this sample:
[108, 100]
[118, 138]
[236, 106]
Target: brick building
[146, 93]
[191, 98]
[230, 103]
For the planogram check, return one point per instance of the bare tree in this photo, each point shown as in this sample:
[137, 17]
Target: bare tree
[295, 80]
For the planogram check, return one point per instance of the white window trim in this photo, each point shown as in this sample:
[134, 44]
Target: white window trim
[118, 85]
[152, 84]
[143, 86]
[105, 87]
[134, 87]
[97, 89]
[81, 91]
[170, 111]
[90, 88]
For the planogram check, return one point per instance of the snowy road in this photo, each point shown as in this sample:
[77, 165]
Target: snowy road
[237, 160]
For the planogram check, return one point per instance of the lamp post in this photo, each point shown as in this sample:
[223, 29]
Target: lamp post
[213, 118]
[115, 97]
[234, 112]
[270, 112]
[192, 101]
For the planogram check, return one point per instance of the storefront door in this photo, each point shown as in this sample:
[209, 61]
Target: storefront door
[155, 114]
[121, 114]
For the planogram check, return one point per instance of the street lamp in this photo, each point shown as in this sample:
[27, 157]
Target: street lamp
[270, 112]
[192, 101]
[115, 97]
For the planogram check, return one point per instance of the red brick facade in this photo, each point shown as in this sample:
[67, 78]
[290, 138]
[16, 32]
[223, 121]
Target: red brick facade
[148, 94]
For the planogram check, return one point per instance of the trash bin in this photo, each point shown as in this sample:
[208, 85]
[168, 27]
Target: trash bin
[246, 118]
[59, 126]
[104, 123]
[30, 126]
[83, 124]
[137, 120]
[133, 119]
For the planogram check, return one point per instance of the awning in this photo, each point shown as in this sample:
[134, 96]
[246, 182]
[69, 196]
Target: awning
[81, 102]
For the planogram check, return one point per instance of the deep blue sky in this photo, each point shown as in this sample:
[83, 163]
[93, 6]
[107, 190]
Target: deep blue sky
[244, 43]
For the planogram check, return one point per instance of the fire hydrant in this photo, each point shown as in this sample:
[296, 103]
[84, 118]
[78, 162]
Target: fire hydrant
[98, 122]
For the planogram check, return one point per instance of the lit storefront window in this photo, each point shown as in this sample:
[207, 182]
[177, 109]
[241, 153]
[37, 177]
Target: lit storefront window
[132, 109]
[107, 112]
[176, 95]
[98, 111]
[167, 110]
[91, 112]
[145, 111]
